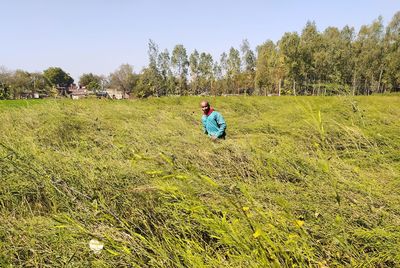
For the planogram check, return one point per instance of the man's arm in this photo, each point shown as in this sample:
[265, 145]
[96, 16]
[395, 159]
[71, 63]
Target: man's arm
[204, 126]
[221, 125]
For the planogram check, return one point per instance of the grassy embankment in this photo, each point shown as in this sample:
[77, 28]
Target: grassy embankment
[300, 181]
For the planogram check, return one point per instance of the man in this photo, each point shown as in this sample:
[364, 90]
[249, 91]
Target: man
[213, 123]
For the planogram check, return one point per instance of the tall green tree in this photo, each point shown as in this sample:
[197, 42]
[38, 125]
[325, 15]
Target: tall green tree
[4, 85]
[248, 57]
[57, 77]
[21, 83]
[234, 62]
[152, 73]
[165, 74]
[15, 83]
[249, 66]
[270, 69]
[224, 84]
[234, 68]
[328, 63]
[310, 44]
[124, 79]
[5, 82]
[347, 63]
[40, 84]
[369, 57]
[194, 60]
[218, 82]
[392, 54]
[206, 75]
[90, 81]
[152, 52]
[180, 65]
[147, 85]
[289, 47]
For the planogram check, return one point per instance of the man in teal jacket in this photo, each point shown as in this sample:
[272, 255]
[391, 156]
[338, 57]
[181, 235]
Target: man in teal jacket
[213, 123]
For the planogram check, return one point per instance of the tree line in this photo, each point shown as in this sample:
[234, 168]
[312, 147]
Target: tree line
[334, 61]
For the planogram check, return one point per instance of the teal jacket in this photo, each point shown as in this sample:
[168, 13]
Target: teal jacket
[214, 124]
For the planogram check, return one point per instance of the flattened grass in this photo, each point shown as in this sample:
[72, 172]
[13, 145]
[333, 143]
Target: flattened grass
[300, 181]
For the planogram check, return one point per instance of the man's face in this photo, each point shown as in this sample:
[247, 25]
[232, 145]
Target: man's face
[205, 107]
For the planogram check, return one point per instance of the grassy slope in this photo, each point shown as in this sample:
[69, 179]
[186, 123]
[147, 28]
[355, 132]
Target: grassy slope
[301, 181]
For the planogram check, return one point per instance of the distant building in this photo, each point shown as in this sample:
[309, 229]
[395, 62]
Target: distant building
[112, 93]
[76, 92]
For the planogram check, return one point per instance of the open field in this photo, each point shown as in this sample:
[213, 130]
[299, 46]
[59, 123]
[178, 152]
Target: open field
[299, 182]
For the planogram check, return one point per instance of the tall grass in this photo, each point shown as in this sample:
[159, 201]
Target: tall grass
[299, 182]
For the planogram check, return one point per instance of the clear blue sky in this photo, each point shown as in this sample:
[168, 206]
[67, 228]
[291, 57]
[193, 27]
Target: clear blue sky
[97, 36]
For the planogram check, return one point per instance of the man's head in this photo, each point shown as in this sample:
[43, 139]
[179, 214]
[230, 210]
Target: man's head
[205, 106]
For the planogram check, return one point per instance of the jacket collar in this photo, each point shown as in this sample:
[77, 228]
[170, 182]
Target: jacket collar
[209, 111]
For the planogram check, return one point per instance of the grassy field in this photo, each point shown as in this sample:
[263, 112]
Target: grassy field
[299, 182]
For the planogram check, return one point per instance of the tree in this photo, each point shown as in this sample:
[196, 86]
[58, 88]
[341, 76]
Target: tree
[270, 68]
[234, 67]
[249, 62]
[369, 63]
[90, 81]
[165, 74]
[217, 87]
[327, 62]
[15, 83]
[146, 85]
[57, 77]
[21, 83]
[392, 53]
[234, 62]
[5, 91]
[180, 64]
[290, 51]
[248, 57]
[347, 63]
[194, 60]
[205, 70]
[39, 84]
[310, 43]
[153, 72]
[153, 54]
[123, 78]
[223, 68]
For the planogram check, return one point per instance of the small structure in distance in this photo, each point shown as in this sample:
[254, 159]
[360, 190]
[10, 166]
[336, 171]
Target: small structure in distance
[112, 93]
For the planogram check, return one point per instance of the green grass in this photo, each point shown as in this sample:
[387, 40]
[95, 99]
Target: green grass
[299, 182]
[18, 103]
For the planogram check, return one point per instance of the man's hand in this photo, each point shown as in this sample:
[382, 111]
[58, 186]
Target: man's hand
[214, 138]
